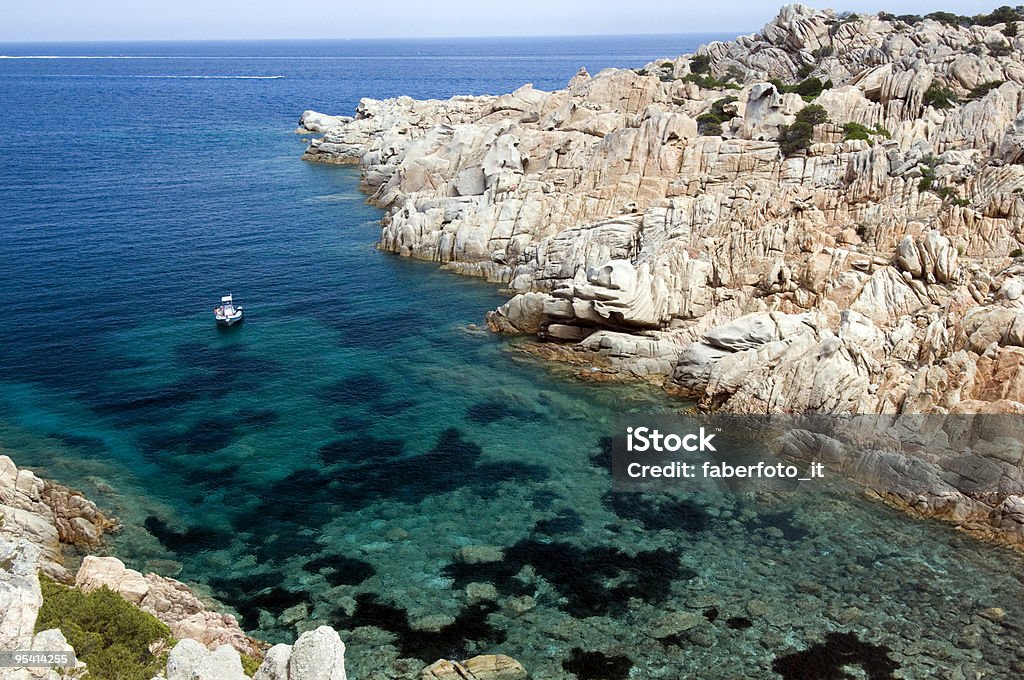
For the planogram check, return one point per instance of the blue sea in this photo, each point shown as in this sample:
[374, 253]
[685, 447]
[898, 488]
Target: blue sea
[358, 451]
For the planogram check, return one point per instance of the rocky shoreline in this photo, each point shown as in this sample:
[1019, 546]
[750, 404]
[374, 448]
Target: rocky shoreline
[822, 217]
[47, 529]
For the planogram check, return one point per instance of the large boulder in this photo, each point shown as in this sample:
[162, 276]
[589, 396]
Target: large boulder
[190, 660]
[317, 655]
[98, 572]
[20, 594]
[275, 663]
[483, 667]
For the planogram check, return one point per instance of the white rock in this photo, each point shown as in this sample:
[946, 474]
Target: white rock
[189, 660]
[275, 663]
[317, 655]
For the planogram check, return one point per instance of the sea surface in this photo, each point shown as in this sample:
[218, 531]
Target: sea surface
[358, 452]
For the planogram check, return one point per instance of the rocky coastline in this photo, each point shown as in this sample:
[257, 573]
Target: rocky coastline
[48, 530]
[822, 217]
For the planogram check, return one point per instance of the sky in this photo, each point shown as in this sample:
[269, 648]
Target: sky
[63, 20]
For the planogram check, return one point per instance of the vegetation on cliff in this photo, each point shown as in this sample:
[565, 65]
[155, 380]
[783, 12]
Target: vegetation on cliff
[112, 636]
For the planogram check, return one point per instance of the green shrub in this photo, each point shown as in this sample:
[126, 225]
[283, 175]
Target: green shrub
[710, 82]
[853, 130]
[949, 18]
[701, 63]
[841, 18]
[795, 138]
[798, 136]
[813, 114]
[909, 19]
[108, 633]
[808, 88]
[1010, 30]
[940, 97]
[805, 70]
[1016, 252]
[822, 52]
[250, 664]
[710, 122]
[983, 89]
[927, 174]
[1001, 15]
[998, 49]
[735, 73]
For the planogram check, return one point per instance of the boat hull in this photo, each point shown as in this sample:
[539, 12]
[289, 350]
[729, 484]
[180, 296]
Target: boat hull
[230, 321]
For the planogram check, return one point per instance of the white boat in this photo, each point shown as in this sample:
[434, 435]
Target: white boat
[227, 313]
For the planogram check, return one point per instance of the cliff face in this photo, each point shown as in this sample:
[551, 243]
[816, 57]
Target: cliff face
[649, 221]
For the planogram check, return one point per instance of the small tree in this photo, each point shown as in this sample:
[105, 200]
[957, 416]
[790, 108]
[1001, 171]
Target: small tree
[940, 97]
[798, 136]
[700, 63]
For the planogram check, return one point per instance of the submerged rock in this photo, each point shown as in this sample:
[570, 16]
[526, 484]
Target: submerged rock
[485, 667]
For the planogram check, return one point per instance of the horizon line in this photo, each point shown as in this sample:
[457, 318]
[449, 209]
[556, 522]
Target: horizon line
[373, 38]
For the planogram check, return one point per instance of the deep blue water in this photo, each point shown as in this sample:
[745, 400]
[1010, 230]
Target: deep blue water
[326, 460]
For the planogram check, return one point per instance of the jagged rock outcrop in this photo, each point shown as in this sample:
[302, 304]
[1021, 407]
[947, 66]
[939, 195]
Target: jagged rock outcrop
[48, 515]
[318, 654]
[625, 228]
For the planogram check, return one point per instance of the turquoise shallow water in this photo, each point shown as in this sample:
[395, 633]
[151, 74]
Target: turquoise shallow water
[353, 451]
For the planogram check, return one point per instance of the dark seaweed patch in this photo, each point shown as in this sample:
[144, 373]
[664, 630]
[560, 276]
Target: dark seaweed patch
[360, 450]
[364, 389]
[597, 665]
[452, 463]
[301, 495]
[543, 499]
[84, 444]
[593, 581]
[783, 521]
[603, 457]
[144, 405]
[288, 542]
[491, 411]
[468, 634]
[388, 409]
[204, 436]
[828, 660]
[658, 511]
[256, 418]
[372, 470]
[212, 478]
[566, 522]
[739, 623]
[188, 542]
[252, 593]
[711, 614]
[340, 570]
